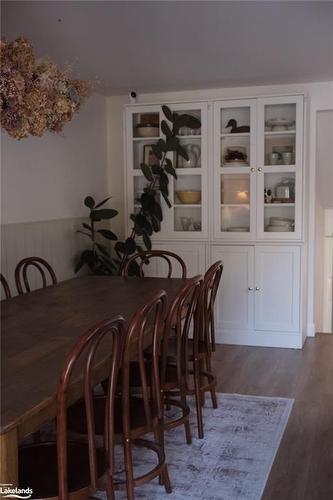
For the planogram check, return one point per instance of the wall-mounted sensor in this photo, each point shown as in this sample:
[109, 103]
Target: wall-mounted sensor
[132, 96]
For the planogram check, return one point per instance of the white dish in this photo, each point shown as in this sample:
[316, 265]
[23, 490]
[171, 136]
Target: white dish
[280, 221]
[279, 229]
[235, 163]
[279, 124]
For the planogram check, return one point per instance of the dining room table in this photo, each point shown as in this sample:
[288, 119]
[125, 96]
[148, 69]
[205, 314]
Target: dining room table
[37, 331]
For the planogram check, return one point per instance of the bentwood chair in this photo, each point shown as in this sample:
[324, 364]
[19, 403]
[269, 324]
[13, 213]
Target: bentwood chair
[199, 350]
[75, 470]
[135, 264]
[196, 351]
[5, 286]
[21, 273]
[211, 284]
[142, 413]
[180, 321]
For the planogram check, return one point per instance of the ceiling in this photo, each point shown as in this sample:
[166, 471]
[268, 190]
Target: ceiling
[177, 45]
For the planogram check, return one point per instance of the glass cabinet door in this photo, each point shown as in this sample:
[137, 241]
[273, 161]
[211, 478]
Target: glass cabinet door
[188, 215]
[188, 193]
[143, 128]
[280, 128]
[234, 167]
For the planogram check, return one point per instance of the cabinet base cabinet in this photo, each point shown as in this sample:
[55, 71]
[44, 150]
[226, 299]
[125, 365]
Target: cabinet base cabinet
[259, 298]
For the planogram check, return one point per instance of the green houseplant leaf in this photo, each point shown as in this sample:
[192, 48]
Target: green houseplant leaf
[167, 113]
[101, 203]
[108, 234]
[146, 170]
[98, 258]
[104, 213]
[89, 202]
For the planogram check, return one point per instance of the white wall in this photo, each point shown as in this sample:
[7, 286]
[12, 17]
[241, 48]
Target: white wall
[324, 201]
[43, 183]
[46, 178]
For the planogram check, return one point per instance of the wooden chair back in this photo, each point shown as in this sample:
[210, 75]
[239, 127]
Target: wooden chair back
[82, 355]
[5, 286]
[210, 287]
[21, 273]
[148, 320]
[182, 318]
[134, 265]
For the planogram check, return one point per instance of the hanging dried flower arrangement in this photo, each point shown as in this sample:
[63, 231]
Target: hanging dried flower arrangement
[35, 95]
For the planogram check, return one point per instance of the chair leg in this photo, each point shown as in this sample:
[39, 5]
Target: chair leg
[198, 398]
[201, 380]
[109, 488]
[164, 478]
[212, 332]
[187, 425]
[129, 468]
[212, 389]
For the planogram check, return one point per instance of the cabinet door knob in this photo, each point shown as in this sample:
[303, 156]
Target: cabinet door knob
[252, 169]
[250, 288]
[257, 288]
[259, 169]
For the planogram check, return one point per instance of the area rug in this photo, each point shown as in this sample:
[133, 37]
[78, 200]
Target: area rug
[233, 460]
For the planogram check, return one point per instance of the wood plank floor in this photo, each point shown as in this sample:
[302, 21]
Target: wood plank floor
[303, 467]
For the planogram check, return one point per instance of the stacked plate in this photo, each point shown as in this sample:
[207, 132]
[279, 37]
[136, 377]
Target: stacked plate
[280, 225]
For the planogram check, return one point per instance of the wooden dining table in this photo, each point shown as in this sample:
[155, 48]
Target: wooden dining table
[37, 331]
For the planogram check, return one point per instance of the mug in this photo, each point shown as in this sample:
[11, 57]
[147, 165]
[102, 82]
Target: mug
[286, 157]
[186, 223]
[274, 158]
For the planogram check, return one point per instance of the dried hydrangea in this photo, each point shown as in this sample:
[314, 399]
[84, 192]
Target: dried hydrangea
[35, 96]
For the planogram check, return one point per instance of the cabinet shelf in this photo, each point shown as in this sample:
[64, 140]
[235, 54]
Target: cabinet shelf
[280, 132]
[194, 136]
[243, 134]
[188, 171]
[247, 205]
[155, 138]
[186, 205]
[279, 204]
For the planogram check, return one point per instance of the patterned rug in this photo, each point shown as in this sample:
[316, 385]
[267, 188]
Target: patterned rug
[233, 460]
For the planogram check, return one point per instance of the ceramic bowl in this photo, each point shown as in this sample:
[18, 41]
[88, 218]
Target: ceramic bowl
[280, 221]
[189, 197]
[147, 131]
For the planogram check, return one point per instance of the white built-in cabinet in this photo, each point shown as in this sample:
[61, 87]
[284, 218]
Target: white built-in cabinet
[249, 212]
[260, 294]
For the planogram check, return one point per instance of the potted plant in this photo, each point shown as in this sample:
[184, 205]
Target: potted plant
[147, 220]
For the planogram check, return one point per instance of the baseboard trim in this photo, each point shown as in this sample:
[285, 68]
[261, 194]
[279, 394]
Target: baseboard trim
[311, 330]
[261, 339]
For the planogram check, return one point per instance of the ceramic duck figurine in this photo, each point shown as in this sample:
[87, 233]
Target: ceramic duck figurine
[237, 130]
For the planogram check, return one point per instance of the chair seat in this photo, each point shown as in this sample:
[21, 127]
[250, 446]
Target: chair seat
[172, 349]
[76, 419]
[38, 469]
[135, 380]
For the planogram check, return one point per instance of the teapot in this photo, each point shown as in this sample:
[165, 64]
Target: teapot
[194, 153]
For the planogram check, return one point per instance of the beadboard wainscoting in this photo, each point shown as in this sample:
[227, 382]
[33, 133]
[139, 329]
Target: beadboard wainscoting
[53, 240]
